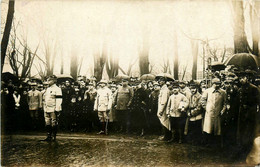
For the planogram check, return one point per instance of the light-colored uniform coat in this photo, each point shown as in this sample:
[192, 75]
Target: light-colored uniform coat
[52, 99]
[103, 100]
[175, 103]
[162, 104]
[214, 103]
[34, 100]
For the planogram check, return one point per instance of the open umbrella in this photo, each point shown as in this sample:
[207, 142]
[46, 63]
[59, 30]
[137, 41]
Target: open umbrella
[120, 77]
[243, 61]
[217, 66]
[6, 76]
[147, 77]
[165, 75]
[63, 77]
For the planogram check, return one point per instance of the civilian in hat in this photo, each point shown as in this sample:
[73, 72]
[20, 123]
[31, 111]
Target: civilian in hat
[176, 110]
[154, 122]
[103, 105]
[214, 102]
[89, 98]
[184, 89]
[52, 108]
[230, 116]
[161, 112]
[112, 113]
[123, 100]
[35, 104]
[138, 109]
[249, 99]
[193, 126]
[67, 93]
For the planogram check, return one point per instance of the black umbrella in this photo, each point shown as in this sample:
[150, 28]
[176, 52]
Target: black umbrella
[217, 66]
[243, 61]
[169, 77]
[6, 76]
[64, 77]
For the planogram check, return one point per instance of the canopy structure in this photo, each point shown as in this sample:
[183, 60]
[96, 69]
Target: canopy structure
[169, 77]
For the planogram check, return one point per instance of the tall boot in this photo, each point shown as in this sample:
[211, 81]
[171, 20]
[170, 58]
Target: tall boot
[173, 137]
[102, 128]
[180, 135]
[49, 132]
[54, 132]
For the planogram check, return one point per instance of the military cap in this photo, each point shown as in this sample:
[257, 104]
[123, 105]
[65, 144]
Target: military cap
[103, 81]
[33, 84]
[113, 86]
[175, 84]
[216, 81]
[124, 80]
[155, 83]
[53, 77]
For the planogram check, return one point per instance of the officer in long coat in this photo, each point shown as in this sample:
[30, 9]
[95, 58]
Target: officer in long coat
[52, 108]
[161, 112]
[249, 99]
[214, 102]
[123, 100]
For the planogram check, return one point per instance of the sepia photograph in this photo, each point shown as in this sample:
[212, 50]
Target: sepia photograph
[130, 83]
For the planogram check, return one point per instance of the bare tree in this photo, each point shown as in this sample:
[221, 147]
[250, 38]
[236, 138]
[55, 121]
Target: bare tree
[50, 52]
[74, 65]
[176, 57]
[112, 66]
[21, 62]
[255, 25]
[7, 30]
[99, 62]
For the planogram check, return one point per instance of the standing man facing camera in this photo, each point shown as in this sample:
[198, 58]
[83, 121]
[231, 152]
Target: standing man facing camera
[52, 108]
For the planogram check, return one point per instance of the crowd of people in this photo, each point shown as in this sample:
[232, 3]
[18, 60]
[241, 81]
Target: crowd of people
[223, 109]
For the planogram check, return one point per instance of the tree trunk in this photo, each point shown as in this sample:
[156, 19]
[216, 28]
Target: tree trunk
[112, 66]
[195, 50]
[176, 58]
[62, 65]
[7, 30]
[144, 62]
[240, 39]
[255, 27]
[74, 66]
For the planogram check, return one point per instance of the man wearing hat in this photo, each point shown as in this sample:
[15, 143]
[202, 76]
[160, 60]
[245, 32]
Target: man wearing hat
[161, 112]
[193, 126]
[53, 101]
[89, 98]
[35, 103]
[184, 89]
[103, 105]
[123, 100]
[214, 102]
[248, 101]
[154, 122]
[176, 110]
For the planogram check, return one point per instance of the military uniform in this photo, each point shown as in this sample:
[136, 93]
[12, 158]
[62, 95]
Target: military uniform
[35, 103]
[103, 105]
[52, 107]
[123, 101]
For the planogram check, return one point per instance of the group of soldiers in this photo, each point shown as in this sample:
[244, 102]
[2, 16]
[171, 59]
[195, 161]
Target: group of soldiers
[219, 109]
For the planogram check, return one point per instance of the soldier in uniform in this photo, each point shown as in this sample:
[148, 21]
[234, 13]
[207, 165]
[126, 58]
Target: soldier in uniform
[184, 89]
[52, 107]
[123, 100]
[103, 105]
[35, 103]
[193, 126]
[176, 110]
